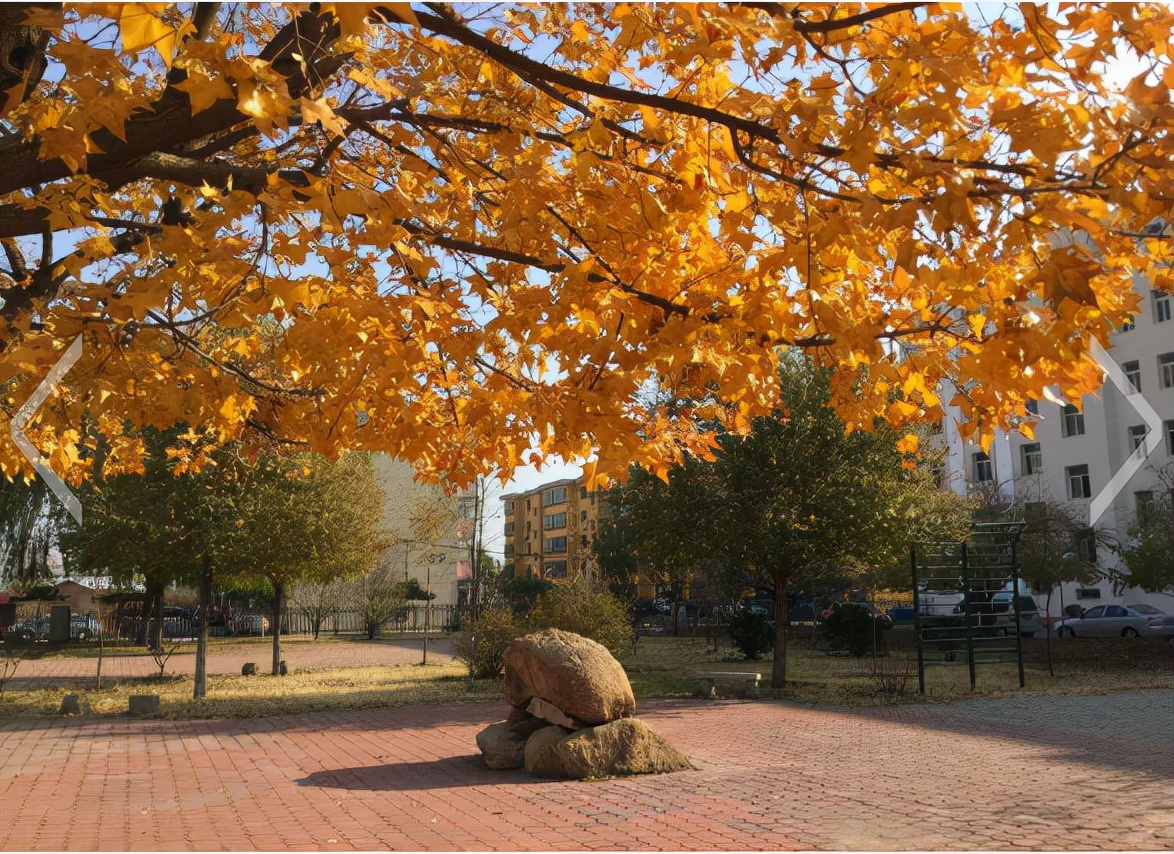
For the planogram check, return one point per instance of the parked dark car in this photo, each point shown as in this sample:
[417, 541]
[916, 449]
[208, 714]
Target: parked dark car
[901, 616]
[82, 627]
[27, 630]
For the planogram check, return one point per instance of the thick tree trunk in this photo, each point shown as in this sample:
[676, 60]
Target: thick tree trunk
[200, 688]
[276, 611]
[778, 669]
[153, 615]
[144, 620]
[1048, 629]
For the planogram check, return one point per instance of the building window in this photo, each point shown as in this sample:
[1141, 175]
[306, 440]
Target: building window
[1137, 436]
[582, 492]
[1032, 406]
[1166, 369]
[1128, 326]
[1078, 482]
[557, 495]
[555, 545]
[1033, 458]
[1170, 438]
[554, 520]
[555, 569]
[1133, 373]
[1163, 305]
[1088, 593]
[509, 508]
[983, 469]
[1073, 424]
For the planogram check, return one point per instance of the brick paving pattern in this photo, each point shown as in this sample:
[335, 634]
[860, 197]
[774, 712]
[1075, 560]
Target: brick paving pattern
[1024, 773]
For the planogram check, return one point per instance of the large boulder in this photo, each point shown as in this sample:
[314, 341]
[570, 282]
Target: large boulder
[574, 673]
[627, 746]
[503, 743]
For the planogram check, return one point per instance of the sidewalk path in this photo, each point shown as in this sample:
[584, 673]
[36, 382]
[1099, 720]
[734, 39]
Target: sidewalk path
[1025, 773]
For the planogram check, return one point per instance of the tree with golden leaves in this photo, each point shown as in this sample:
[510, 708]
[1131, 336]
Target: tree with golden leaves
[456, 233]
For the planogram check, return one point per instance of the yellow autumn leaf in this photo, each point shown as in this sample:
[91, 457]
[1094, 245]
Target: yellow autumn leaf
[140, 27]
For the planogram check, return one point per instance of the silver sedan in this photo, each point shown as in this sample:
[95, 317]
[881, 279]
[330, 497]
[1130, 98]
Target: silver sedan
[1112, 621]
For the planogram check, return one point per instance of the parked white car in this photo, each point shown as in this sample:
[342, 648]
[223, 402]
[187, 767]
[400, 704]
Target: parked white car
[1111, 621]
[1029, 619]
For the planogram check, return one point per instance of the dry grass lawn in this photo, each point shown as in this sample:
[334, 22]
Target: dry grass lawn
[263, 695]
[667, 667]
[659, 667]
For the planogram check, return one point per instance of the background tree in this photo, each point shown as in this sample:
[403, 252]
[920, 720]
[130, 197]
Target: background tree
[806, 496]
[378, 596]
[671, 527]
[33, 521]
[264, 521]
[618, 567]
[303, 518]
[1149, 552]
[437, 232]
[156, 525]
[318, 601]
[798, 497]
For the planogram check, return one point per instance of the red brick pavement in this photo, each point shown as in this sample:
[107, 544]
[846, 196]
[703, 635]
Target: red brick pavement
[1030, 773]
[227, 658]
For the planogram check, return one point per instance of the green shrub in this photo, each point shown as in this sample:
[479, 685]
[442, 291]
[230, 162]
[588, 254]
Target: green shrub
[595, 614]
[852, 629]
[592, 613]
[482, 646]
[752, 633]
[521, 592]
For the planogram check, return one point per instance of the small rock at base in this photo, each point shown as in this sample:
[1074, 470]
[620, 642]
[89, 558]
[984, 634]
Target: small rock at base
[70, 705]
[502, 744]
[539, 757]
[627, 746]
[249, 669]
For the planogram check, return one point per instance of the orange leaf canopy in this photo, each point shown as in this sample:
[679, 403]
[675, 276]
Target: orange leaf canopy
[459, 234]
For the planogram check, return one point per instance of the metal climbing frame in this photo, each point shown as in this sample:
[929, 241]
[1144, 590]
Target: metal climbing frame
[955, 607]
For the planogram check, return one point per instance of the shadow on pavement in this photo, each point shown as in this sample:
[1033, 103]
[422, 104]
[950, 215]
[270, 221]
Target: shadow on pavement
[448, 773]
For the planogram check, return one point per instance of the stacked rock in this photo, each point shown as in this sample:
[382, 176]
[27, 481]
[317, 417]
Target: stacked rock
[572, 714]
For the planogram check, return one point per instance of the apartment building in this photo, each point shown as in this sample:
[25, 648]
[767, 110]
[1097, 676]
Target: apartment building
[550, 530]
[1077, 449]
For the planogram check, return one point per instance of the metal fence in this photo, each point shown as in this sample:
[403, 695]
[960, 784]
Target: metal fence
[412, 619]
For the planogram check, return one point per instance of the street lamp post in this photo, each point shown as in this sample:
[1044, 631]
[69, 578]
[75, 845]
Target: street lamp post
[431, 558]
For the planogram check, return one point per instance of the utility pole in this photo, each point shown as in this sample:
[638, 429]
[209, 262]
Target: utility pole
[427, 608]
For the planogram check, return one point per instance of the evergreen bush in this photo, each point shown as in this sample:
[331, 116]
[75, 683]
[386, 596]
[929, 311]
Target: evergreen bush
[751, 632]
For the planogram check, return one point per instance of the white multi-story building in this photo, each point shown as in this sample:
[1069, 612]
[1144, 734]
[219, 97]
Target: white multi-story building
[1076, 452]
[427, 531]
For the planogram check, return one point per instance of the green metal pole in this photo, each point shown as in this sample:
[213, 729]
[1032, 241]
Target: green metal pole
[1015, 604]
[968, 603]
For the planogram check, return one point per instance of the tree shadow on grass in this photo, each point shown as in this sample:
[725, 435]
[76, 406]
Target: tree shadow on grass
[450, 772]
